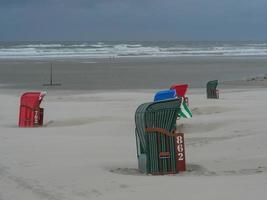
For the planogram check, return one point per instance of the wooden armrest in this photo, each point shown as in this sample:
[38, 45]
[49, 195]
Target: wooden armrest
[162, 131]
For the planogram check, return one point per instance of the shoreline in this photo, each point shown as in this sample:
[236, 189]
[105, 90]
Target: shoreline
[131, 58]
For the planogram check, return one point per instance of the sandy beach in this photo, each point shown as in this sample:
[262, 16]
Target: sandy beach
[86, 149]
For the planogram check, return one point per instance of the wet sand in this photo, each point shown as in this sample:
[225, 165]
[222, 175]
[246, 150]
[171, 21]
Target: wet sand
[128, 73]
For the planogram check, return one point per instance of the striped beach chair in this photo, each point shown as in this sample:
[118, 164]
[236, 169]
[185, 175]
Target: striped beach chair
[156, 137]
[212, 91]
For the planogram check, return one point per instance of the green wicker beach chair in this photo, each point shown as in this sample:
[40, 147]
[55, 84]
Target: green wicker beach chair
[212, 92]
[155, 126]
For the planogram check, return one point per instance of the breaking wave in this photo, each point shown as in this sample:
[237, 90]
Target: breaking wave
[131, 49]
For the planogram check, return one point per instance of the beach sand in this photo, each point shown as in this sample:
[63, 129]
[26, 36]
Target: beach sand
[86, 149]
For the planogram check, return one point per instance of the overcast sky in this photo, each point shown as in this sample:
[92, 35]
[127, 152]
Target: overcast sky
[101, 20]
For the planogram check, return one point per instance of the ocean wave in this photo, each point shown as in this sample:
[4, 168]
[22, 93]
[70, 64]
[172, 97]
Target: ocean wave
[38, 46]
[106, 50]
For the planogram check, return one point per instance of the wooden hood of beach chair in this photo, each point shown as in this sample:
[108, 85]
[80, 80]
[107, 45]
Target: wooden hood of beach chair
[156, 150]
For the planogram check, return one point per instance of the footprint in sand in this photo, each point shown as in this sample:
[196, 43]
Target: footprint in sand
[209, 110]
[192, 170]
[195, 170]
[127, 171]
[78, 121]
[201, 127]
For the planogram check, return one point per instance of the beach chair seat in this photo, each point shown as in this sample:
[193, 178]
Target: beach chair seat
[212, 91]
[30, 114]
[155, 136]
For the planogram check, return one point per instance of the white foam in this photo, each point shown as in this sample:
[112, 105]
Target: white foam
[39, 45]
[105, 50]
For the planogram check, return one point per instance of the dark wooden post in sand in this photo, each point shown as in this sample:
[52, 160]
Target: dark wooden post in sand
[51, 78]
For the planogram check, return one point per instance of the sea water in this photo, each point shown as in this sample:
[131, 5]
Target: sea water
[29, 50]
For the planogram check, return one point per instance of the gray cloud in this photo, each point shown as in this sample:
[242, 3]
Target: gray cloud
[133, 20]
